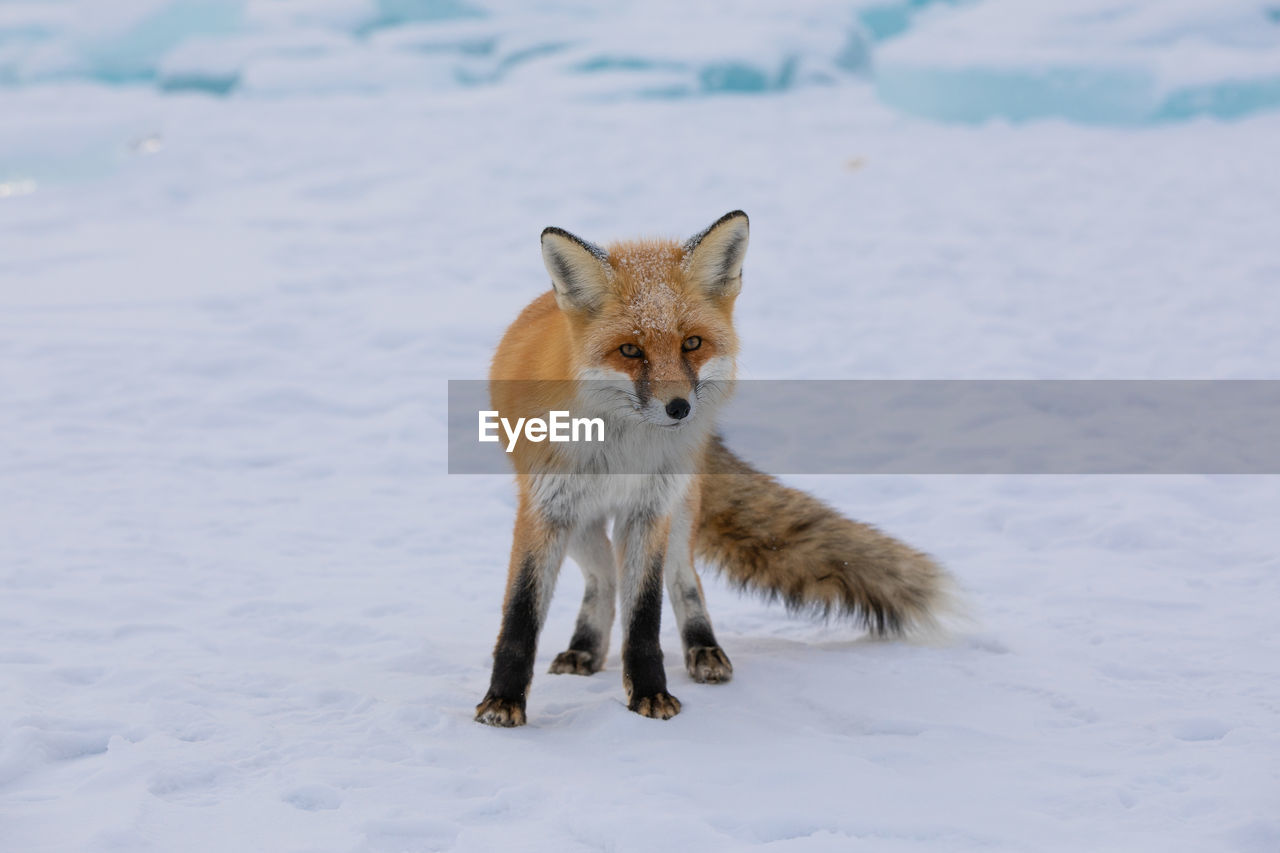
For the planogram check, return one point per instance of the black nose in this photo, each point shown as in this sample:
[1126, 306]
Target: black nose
[678, 408]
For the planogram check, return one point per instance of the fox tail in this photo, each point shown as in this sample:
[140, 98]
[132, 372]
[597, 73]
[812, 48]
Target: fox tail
[791, 546]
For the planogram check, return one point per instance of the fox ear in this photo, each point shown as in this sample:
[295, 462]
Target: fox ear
[580, 271]
[713, 258]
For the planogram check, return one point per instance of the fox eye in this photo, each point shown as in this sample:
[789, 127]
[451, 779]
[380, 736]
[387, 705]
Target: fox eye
[691, 343]
[631, 351]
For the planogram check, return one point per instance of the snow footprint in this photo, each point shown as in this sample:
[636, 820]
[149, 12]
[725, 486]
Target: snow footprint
[1200, 728]
[192, 783]
[313, 798]
[34, 742]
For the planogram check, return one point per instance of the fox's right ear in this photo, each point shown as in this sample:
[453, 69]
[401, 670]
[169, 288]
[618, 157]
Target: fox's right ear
[580, 271]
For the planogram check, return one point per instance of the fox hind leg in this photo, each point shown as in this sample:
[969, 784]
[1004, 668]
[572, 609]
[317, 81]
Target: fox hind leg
[590, 549]
[703, 658]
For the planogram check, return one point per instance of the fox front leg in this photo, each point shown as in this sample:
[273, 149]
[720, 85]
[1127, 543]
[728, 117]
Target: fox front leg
[641, 541]
[536, 554]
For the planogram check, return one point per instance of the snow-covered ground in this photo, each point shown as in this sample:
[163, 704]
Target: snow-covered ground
[242, 607]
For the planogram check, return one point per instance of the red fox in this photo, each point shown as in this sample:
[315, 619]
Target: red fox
[642, 334]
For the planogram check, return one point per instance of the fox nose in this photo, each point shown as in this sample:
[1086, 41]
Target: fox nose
[678, 408]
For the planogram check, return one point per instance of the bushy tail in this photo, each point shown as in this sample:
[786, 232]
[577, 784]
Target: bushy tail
[790, 545]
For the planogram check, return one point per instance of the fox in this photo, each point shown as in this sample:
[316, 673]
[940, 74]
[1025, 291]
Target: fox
[641, 333]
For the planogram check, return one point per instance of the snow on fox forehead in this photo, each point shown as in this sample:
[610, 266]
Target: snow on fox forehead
[650, 283]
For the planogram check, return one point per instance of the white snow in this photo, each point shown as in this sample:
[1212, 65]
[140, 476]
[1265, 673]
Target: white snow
[646, 48]
[1095, 61]
[1099, 61]
[242, 606]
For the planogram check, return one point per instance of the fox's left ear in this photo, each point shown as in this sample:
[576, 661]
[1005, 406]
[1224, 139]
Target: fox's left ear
[713, 258]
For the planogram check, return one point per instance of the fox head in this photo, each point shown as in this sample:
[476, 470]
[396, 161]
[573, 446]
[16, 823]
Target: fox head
[652, 320]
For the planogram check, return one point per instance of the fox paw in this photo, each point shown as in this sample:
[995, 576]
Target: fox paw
[708, 664]
[659, 706]
[574, 662]
[504, 713]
